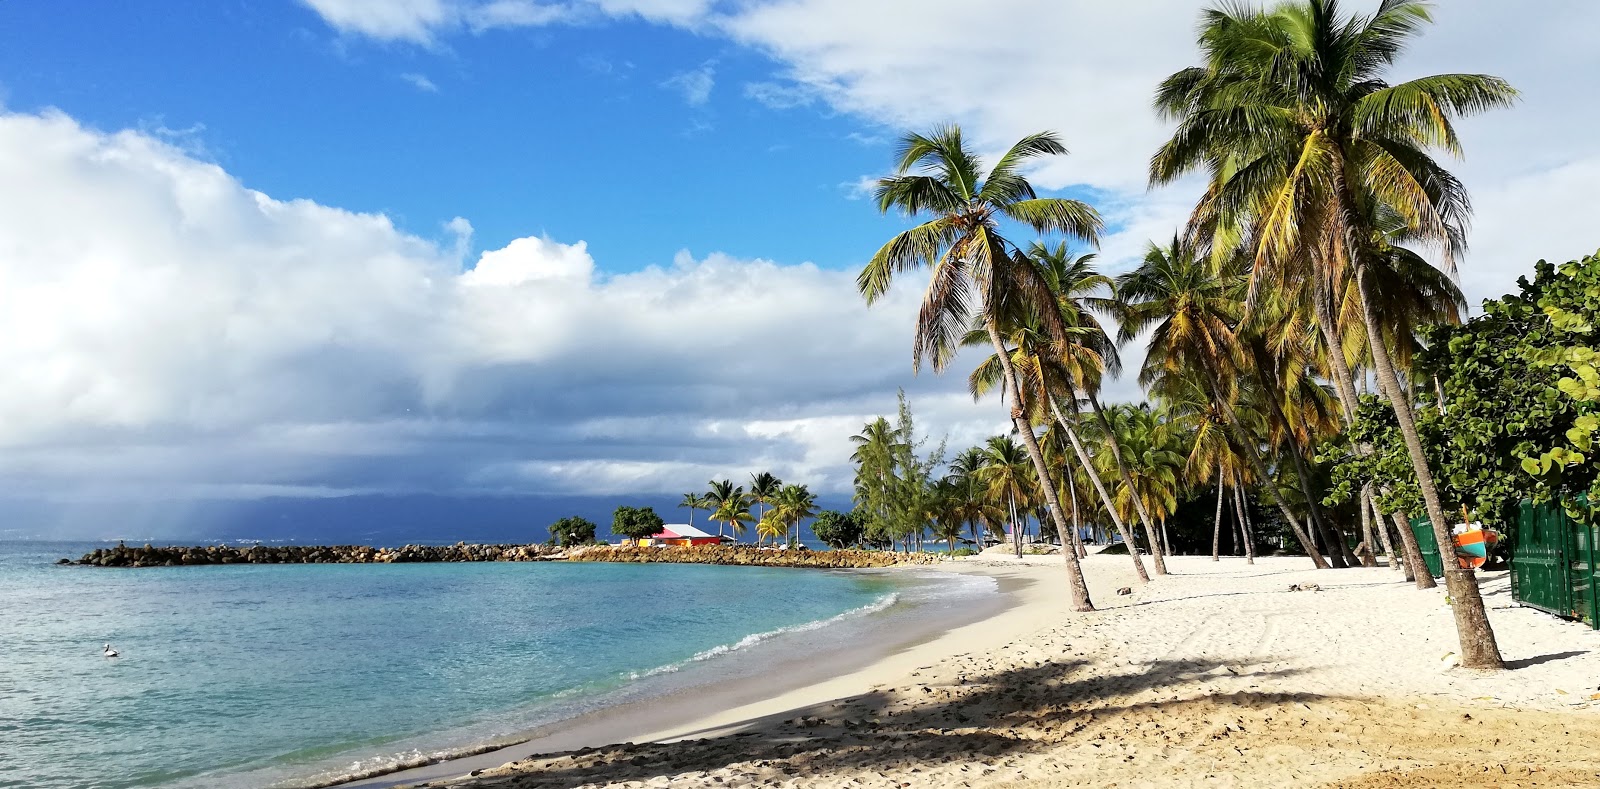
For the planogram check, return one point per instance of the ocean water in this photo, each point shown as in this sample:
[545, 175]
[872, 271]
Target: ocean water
[280, 675]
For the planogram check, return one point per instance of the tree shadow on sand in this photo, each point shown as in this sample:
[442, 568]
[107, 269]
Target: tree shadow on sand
[971, 719]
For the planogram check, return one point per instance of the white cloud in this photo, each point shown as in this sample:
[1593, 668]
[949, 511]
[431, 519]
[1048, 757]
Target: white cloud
[779, 96]
[421, 82]
[399, 20]
[695, 84]
[425, 21]
[422, 21]
[167, 331]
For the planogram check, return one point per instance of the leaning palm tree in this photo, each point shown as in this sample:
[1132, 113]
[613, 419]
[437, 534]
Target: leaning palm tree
[1089, 354]
[975, 268]
[1300, 132]
[1050, 372]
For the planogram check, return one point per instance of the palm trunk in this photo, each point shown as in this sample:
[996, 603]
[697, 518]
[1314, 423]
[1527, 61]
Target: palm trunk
[1338, 552]
[1166, 539]
[1478, 647]
[1381, 526]
[1100, 487]
[1369, 541]
[1244, 525]
[1122, 470]
[1216, 525]
[1077, 515]
[1252, 453]
[1077, 590]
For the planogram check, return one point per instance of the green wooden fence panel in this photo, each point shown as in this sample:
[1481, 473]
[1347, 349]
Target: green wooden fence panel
[1585, 579]
[1541, 568]
[1423, 528]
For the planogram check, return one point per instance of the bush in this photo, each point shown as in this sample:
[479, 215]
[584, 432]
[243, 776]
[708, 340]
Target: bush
[636, 523]
[963, 552]
[572, 531]
[837, 529]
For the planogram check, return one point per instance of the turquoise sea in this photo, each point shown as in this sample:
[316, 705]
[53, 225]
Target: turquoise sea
[278, 675]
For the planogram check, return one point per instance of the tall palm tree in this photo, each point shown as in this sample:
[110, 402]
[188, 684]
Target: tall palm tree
[763, 488]
[693, 501]
[975, 268]
[1292, 117]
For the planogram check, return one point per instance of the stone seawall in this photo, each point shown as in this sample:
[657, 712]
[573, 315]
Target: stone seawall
[150, 556]
[745, 555]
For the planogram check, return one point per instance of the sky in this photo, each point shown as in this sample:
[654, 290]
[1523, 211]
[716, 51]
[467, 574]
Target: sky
[280, 252]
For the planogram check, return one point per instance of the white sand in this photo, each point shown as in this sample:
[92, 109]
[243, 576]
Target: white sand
[1214, 675]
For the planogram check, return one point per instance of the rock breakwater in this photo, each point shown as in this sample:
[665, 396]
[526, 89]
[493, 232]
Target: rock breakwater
[740, 555]
[175, 556]
[748, 555]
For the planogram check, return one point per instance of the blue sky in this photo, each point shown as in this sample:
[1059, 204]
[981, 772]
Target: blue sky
[354, 250]
[590, 131]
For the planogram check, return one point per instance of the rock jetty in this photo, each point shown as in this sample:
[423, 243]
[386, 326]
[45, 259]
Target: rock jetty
[745, 555]
[749, 555]
[175, 556]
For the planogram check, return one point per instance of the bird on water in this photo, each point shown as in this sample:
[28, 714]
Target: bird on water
[109, 651]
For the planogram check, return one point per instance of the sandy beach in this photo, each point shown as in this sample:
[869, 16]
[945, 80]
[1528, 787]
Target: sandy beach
[1216, 675]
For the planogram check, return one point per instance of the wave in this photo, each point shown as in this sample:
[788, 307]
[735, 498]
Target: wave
[751, 640]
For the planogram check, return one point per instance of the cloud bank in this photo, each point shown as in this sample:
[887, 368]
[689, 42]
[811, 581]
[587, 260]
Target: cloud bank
[167, 331]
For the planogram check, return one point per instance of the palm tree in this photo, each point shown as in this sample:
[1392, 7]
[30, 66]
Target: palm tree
[948, 524]
[975, 268]
[1089, 353]
[723, 492]
[1191, 307]
[771, 526]
[1050, 369]
[735, 512]
[791, 504]
[1292, 117]
[1154, 466]
[1009, 481]
[693, 501]
[964, 471]
[763, 487]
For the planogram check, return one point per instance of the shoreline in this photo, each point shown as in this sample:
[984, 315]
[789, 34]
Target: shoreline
[1217, 674]
[694, 707]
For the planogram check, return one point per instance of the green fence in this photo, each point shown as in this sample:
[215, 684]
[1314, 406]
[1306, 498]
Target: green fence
[1555, 561]
[1423, 529]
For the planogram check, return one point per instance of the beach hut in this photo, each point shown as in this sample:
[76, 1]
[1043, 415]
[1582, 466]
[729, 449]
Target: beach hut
[682, 534]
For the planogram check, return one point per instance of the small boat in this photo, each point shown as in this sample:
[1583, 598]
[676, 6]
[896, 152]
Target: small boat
[109, 651]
